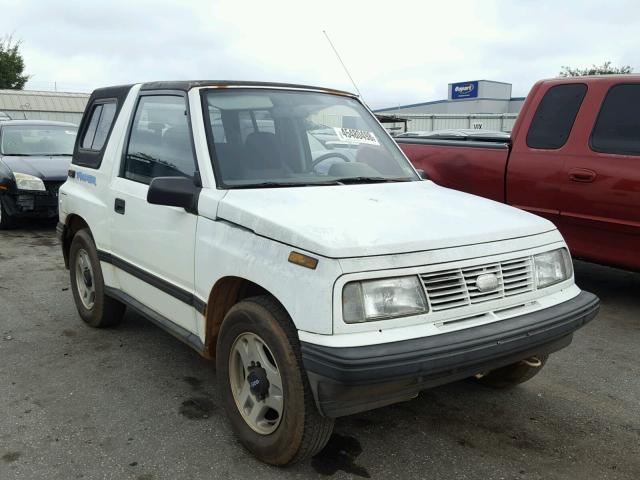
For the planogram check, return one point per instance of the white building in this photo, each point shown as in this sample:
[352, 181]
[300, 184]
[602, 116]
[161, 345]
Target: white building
[478, 104]
[36, 105]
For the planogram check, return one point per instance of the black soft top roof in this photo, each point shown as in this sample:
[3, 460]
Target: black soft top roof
[186, 85]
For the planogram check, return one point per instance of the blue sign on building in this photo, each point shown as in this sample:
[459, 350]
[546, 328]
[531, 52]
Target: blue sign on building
[464, 90]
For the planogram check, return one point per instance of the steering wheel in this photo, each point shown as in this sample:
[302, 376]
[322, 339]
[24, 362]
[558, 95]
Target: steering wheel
[327, 155]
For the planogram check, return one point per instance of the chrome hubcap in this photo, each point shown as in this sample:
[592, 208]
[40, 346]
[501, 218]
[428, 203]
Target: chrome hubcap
[256, 383]
[85, 280]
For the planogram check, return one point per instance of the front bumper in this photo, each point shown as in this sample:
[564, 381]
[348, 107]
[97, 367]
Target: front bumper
[31, 204]
[354, 379]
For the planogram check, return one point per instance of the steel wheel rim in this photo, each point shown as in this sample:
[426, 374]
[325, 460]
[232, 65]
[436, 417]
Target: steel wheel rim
[85, 280]
[262, 415]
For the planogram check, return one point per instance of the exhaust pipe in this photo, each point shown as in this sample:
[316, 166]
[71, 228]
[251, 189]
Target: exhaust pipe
[533, 362]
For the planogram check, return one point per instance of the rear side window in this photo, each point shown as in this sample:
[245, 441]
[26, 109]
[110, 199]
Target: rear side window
[617, 128]
[553, 120]
[99, 126]
[97, 123]
[160, 140]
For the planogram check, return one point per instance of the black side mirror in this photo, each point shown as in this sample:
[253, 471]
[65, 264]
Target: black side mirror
[174, 192]
[422, 173]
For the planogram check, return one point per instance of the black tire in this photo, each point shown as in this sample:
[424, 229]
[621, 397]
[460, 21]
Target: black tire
[512, 375]
[6, 221]
[302, 431]
[105, 311]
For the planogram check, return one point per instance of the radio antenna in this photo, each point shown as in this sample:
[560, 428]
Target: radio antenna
[342, 63]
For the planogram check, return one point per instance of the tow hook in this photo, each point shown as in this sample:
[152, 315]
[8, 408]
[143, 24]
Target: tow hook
[533, 362]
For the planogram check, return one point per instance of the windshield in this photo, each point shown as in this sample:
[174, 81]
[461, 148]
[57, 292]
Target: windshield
[271, 138]
[29, 140]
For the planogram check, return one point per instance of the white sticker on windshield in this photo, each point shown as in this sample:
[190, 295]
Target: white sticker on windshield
[352, 135]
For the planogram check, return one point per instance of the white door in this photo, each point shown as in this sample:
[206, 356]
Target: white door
[153, 245]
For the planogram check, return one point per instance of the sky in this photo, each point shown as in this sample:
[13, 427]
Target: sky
[397, 52]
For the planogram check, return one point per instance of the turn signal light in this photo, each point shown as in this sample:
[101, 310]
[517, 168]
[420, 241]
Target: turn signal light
[303, 260]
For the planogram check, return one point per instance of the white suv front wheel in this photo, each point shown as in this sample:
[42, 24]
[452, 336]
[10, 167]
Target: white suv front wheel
[264, 386]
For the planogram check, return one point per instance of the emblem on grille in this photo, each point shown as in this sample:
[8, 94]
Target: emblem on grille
[487, 282]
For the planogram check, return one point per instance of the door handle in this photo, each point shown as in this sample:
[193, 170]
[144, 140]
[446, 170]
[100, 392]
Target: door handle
[118, 206]
[582, 175]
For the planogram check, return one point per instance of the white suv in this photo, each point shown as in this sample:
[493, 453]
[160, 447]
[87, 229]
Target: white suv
[280, 230]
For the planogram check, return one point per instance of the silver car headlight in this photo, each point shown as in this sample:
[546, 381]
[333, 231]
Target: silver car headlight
[24, 181]
[552, 267]
[382, 299]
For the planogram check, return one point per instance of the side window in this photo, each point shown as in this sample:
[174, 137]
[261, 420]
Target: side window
[90, 133]
[617, 129]
[553, 120]
[99, 126]
[160, 140]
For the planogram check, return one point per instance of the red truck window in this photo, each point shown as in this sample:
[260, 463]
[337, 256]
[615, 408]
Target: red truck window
[552, 123]
[617, 128]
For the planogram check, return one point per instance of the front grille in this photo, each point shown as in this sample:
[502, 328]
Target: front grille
[456, 287]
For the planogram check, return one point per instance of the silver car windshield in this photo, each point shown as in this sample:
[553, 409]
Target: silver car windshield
[37, 140]
[280, 138]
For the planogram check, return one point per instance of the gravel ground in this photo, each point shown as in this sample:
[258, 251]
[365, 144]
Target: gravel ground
[134, 403]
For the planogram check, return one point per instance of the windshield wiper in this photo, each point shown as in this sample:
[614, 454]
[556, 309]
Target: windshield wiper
[286, 184]
[57, 154]
[348, 180]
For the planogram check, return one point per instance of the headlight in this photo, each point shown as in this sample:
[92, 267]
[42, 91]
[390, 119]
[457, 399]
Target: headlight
[552, 267]
[25, 181]
[382, 299]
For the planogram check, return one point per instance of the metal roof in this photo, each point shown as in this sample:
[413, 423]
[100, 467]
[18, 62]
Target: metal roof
[448, 100]
[22, 100]
[43, 123]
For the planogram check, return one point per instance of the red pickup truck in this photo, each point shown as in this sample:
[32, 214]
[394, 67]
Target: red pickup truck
[573, 157]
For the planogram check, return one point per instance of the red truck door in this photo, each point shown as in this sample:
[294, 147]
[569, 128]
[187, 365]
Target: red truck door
[600, 196]
[540, 149]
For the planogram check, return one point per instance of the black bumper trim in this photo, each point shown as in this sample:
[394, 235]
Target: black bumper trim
[29, 204]
[343, 379]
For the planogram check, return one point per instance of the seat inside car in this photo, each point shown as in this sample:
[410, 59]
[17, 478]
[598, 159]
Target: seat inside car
[264, 158]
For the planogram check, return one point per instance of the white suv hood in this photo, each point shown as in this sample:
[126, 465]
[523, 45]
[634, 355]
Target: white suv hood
[375, 219]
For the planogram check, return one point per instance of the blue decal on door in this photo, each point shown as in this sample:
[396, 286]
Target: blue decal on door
[85, 177]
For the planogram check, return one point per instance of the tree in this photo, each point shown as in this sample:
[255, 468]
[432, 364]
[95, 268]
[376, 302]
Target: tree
[11, 64]
[605, 69]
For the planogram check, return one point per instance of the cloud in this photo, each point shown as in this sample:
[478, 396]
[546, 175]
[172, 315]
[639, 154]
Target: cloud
[397, 52]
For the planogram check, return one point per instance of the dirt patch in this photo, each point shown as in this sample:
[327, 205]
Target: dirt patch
[10, 457]
[197, 408]
[340, 453]
[194, 383]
